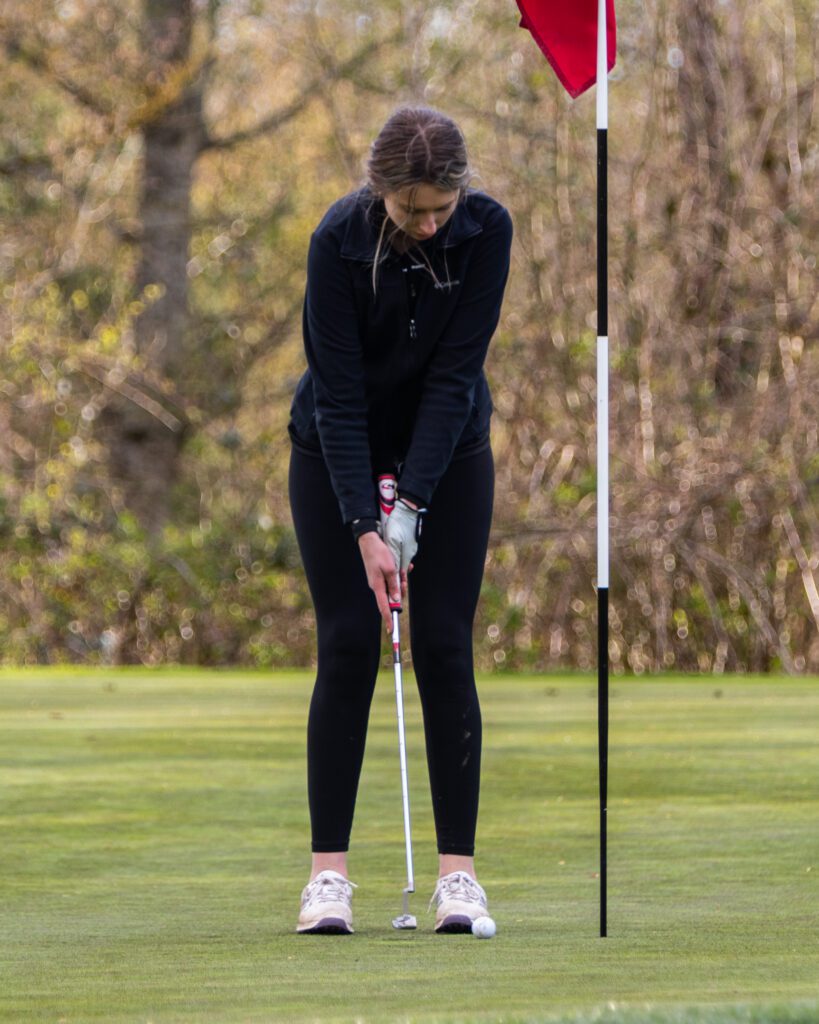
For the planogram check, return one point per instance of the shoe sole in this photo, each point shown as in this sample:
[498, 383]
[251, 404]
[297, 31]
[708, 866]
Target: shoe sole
[327, 926]
[454, 924]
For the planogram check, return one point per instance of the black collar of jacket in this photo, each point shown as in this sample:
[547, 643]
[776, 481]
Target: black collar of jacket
[364, 225]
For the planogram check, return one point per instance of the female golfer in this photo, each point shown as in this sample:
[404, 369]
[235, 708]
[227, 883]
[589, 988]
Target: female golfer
[405, 279]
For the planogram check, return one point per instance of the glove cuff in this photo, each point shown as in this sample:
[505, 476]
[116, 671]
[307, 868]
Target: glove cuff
[411, 497]
[419, 514]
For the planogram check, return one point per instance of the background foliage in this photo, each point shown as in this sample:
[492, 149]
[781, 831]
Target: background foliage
[161, 168]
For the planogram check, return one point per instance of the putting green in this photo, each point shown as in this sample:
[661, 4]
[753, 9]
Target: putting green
[155, 837]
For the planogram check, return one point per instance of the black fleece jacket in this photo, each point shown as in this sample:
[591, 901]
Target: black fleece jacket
[395, 379]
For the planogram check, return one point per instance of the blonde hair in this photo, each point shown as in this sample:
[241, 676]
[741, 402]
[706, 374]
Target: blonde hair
[416, 146]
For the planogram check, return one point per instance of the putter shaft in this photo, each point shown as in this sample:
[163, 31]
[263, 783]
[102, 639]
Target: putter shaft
[402, 748]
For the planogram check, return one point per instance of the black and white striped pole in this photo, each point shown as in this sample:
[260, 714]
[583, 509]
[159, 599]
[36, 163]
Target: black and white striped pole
[602, 446]
[566, 35]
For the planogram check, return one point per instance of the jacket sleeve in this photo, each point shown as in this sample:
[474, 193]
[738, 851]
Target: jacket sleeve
[333, 348]
[456, 364]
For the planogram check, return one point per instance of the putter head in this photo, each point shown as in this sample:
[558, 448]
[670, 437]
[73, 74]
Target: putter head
[405, 921]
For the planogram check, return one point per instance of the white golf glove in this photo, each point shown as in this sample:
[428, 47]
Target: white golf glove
[402, 531]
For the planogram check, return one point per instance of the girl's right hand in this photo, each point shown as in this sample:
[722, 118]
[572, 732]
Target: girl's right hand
[384, 579]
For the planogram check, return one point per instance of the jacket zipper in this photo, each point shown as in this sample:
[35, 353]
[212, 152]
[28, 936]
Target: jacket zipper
[412, 294]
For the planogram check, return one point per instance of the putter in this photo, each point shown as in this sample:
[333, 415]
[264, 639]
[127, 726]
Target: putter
[405, 920]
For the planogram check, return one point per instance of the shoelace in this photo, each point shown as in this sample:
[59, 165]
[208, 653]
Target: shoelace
[328, 890]
[460, 886]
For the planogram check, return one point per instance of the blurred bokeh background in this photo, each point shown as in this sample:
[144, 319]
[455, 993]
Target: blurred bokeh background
[162, 165]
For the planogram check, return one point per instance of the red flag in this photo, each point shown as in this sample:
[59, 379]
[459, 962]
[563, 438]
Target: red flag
[566, 31]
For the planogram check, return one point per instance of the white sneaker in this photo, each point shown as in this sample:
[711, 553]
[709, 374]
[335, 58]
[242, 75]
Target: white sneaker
[460, 900]
[326, 905]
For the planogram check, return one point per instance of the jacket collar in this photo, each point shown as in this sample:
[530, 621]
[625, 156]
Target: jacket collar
[364, 225]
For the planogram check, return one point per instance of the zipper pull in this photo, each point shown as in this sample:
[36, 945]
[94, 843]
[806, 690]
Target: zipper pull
[413, 332]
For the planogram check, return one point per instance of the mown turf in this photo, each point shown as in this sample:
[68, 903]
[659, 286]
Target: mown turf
[155, 834]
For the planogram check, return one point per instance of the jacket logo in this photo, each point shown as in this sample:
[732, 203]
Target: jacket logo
[441, 285]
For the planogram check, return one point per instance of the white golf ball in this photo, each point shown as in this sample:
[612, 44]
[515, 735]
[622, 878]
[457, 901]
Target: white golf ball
[483, 927]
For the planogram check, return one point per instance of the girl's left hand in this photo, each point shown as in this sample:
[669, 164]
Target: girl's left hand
[401, 532]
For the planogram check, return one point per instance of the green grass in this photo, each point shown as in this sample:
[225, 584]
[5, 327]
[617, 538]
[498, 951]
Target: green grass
[155, 841]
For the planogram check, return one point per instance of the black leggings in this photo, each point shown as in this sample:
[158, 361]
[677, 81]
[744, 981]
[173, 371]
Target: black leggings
[443, 593]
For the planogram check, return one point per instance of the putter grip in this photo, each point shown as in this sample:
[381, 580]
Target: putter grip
[386, 494]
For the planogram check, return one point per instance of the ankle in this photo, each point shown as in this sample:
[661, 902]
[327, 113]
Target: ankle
[329, 862]
[449, 862]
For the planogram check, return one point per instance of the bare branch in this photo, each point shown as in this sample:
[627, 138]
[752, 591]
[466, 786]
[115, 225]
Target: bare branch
[114, 380]
[747, 588]
[803, 562]
[16, 50]
[713, 605]
[281, 117]
[276, 336]
[22, 163]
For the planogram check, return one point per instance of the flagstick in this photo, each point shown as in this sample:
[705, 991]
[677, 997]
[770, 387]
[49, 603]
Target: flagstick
[602, 444]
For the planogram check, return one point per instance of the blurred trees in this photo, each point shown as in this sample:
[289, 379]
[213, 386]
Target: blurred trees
[161, 168]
